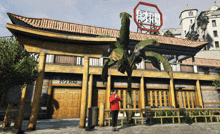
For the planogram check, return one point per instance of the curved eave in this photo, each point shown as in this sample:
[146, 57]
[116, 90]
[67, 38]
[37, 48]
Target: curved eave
[12, 28]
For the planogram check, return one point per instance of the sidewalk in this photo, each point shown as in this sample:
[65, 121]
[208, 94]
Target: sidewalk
[70, 126]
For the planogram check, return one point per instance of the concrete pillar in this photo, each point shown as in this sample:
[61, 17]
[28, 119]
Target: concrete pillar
[37, 93]
[142, 64]
[195, 68]
[177, 64]
[161, 66]
[84, 92]
[101, 62]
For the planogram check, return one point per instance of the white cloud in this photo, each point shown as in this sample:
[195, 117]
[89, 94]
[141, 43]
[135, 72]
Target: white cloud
[37, 15]
[2, 9]
[69, 2]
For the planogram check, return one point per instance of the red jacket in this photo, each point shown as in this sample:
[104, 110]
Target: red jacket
[114, 102]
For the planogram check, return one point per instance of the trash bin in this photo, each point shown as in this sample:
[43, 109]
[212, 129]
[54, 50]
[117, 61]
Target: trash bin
[93, 117]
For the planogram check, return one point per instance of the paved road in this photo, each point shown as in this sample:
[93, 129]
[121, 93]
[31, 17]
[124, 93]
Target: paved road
[70, 126]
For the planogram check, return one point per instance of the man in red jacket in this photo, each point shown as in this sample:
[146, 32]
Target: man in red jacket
[114, 98]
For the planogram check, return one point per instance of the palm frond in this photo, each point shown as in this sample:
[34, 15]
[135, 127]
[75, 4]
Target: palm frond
[165, 63]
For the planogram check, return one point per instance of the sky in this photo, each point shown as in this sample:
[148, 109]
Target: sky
[100, 13]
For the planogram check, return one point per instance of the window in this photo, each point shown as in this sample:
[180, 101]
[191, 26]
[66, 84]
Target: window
[190, 13]
[191, 21]
[185, 31]
[216, 44]
[215, 33]
[213, 23]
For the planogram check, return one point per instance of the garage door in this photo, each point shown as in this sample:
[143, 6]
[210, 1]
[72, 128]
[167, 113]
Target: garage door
[66, 103]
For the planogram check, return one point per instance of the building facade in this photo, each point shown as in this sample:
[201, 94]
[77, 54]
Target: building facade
[72, 58]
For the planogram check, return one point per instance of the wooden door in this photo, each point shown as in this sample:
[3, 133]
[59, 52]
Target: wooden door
[66, 103]
[98, 97]
[101, 97]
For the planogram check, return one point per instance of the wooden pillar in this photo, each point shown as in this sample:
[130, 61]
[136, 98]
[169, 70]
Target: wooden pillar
[101, 115]
[198, 91]
[90, 93]
[83, 108]
[119, 94]
[108, 92]
[22, 108]
[37, 93]
[49, 99]
[142, 93]
[7, 118]
[172, 97]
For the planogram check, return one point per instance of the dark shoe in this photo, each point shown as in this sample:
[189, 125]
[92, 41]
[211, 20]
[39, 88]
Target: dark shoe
[113, 129]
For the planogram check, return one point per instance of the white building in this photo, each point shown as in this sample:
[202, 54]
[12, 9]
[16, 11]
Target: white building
[188, 22]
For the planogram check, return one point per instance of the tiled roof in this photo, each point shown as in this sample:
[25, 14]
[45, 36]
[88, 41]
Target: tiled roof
[203, 62]
[49, 24]
[216, 4]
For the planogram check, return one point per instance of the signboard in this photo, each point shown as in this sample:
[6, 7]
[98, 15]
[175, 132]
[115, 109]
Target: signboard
[148, 18]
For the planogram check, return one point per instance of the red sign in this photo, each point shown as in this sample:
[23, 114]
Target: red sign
[141, 22]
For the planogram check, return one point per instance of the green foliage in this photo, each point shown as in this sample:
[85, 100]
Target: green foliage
[168, 33]
[17, 66]
[202, 21]
[103, 36]
[216, 82]
[125, 26]
[192, 36]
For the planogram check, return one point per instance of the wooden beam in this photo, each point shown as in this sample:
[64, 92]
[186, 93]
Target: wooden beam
[134, 98]
[184, 100]
[119, 94]
[151, 98]
[66, 85]
[136, 73]
[83, 108]
[172, 95]
[187, 97]
[155, 95]
[165, 98]
[37, 93]
[7, 118]
[198, 90]
[22, 108]
[160, 98]
[180, 98]
[90, 92]
[191, 95]
[124, 99]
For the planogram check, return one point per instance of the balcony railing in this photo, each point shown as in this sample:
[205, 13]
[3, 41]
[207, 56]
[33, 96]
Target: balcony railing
[144, 65]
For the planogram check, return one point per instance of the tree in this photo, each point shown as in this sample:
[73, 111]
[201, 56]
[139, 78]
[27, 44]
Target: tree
[127, 62]
[202, 21]
[17, 66]
[192, 36]
[168, 33]
[216, 82]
